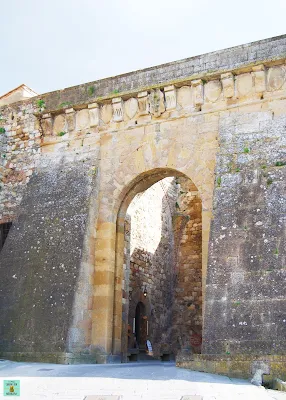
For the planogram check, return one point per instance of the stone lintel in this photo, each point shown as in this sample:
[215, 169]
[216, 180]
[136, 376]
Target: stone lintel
[142, 94]
[47, 115]
[69, 110]
[169, 88]
[92, 105]
[259, 67]
[116, 100]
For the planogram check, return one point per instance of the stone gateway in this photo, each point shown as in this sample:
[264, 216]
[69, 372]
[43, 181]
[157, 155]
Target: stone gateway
[149, 207]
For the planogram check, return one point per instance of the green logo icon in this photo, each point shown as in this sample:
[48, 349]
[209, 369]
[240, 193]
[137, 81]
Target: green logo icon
[11, 388]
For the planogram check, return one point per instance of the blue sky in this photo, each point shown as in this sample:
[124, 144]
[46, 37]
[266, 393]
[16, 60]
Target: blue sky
[53, 44]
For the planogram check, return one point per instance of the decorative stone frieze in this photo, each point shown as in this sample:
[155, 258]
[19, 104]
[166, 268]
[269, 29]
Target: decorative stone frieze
[131, 107]
[276, 78]
[106, 113]
[59, 124]
[259, 78]
[198, 92]
[143, 103]
[47, 124]
[185, 96]
[227, 84]
[244, 84]
[82, 119]
[93, 114]
[170, 97]
[213, 90]
[156, 100]
[117, 106]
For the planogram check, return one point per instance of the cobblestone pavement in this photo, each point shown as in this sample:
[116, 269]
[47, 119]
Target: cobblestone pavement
[131, 381]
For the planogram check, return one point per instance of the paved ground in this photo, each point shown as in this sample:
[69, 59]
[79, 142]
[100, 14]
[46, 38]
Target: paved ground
[131, 381]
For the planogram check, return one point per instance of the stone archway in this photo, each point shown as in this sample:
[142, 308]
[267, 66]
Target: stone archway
[125, 171]
[119, 340]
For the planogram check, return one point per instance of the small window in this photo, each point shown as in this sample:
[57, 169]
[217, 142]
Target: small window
[4, 230]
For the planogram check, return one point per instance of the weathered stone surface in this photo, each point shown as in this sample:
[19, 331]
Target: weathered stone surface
[213, 90]
[259, 78]
[143, 103]
[244, 84]
[82, 120]
[59, 124]
[93, 114]
[156, 101]
[117, 107]
[131, 107]
[276, 78]
[43, 254]
[227, 84]
[185, 96]
[171, 97]
[106, 113]
[79, 176]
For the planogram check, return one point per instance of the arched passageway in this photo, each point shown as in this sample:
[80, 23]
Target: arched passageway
[158, 291]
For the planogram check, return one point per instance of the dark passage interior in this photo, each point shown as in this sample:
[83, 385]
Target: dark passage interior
[162, 277]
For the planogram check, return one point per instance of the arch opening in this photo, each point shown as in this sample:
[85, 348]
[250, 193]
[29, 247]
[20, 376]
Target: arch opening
[158, 268]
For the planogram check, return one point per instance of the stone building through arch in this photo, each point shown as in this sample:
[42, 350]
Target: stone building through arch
[170, 272]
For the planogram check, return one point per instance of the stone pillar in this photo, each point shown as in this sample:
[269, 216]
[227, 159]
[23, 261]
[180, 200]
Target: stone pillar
[103, 302]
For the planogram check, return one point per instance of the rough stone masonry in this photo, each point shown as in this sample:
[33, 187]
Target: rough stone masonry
[73, 160]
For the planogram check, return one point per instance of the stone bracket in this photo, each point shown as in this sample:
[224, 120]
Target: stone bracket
[259, 78]
[143, 103]
[93, 114]
[198, 88]
[156, 101]
[227, 84]
[170, 97]
[117, 107]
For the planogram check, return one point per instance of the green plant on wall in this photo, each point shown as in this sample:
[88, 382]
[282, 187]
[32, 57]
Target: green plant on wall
[91, 91]
[246, 150]
[64, 104]
[218, 181]
[41, 104]
[61, 133]
[280, 163]
[269, 181]
[2, 130]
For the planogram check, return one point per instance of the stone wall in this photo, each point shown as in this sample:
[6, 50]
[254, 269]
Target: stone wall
[187, 224]
[246, 267]
[45, 266]
[20, 140]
